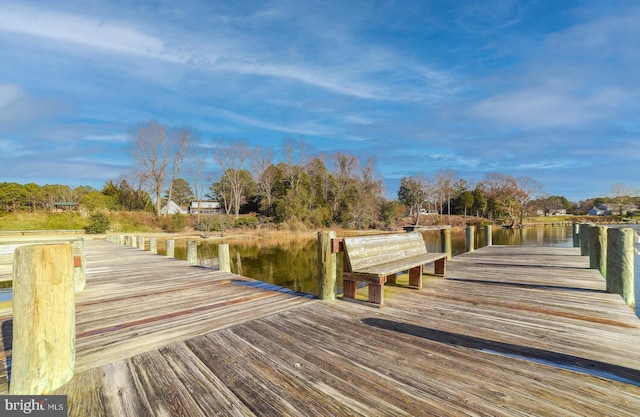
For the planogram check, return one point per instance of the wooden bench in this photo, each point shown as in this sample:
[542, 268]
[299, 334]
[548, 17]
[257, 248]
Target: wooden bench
[378, 259]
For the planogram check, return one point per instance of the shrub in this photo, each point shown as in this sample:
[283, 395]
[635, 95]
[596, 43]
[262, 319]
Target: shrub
[206, 224]
[98, 223]
[246, 222]
[174, 223]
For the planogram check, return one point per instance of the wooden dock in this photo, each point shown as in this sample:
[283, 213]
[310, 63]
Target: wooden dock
[510, 331]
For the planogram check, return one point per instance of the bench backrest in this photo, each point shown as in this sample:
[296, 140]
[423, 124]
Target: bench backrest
[365, 251]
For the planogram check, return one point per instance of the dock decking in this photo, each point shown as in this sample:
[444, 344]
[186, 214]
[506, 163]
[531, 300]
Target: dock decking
[510, 331]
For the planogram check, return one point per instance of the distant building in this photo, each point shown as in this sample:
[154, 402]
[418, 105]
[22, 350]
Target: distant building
[172, 208]
[552, 212]
[204, 207]
[65, 205]
[610, 209]
[601, 210]
[596, 212]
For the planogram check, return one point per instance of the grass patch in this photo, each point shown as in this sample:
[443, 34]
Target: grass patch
[125, 222]
[549, 219]
[41, 221]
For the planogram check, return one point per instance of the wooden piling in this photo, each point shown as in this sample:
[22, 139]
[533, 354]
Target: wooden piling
[602, 241]
[576, 235]
[192, 252]
[597, 243]
[141, 243]
[584, 239]
[327, 266]
[153, 245]
[470, 239]
[43, 354]
[445, 242]
[134, 241]
[488, 235]
[171, 248]
[79, 268]
[224, 259]
[620, 263]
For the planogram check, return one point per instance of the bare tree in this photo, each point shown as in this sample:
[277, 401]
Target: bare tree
[621, 193]
[231, 157]
[265, 174]
[297, 152]
[502, 192]
[196, 171]
[180, 142]
[159, 152]
[527, 190]
[445, 185]
[413, 193]
[369, 191]
[345, 168]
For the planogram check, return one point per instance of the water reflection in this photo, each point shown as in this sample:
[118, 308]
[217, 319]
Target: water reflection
[292, 263]
[538, 235]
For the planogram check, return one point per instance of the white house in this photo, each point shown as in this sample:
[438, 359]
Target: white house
[204, 207]
[601, 210]
[172, 208]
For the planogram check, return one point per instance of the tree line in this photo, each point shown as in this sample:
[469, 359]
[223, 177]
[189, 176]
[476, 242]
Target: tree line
[305, 186]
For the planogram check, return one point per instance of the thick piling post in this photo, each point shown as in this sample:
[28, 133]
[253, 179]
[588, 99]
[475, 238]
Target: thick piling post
[79, 270]
[584, 239]
[134, 241]
[470, 239]
[171, 248]
[602, 240]
[445, 242]
[597, 244]
[224, 259]
[620, 264]
[192, 252]
[327, 266]
[141, 243]
[576, 235]
[488, 235]
[153, 245]
[44, 331]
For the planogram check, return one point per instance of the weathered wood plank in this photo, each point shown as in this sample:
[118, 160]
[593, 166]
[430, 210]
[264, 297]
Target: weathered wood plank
[509, 332]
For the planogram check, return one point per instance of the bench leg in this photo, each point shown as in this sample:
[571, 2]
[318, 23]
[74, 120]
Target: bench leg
[440, 266]
[415, 277]
[391, 279]
[376, 293]
[349, 288]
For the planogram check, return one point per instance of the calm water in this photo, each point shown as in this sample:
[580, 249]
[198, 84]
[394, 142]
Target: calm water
[293, 263]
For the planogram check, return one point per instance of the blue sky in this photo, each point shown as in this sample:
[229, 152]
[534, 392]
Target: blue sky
[544, 89]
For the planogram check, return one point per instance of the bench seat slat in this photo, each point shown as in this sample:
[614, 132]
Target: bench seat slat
[378, 259]
[366, 251]
[398, 265]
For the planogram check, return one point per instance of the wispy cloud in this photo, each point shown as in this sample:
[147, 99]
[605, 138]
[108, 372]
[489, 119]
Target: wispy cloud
[307, 128]
[17, 107]
[114, 137]
[83, 30]
[471, 86]
[550, 106]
